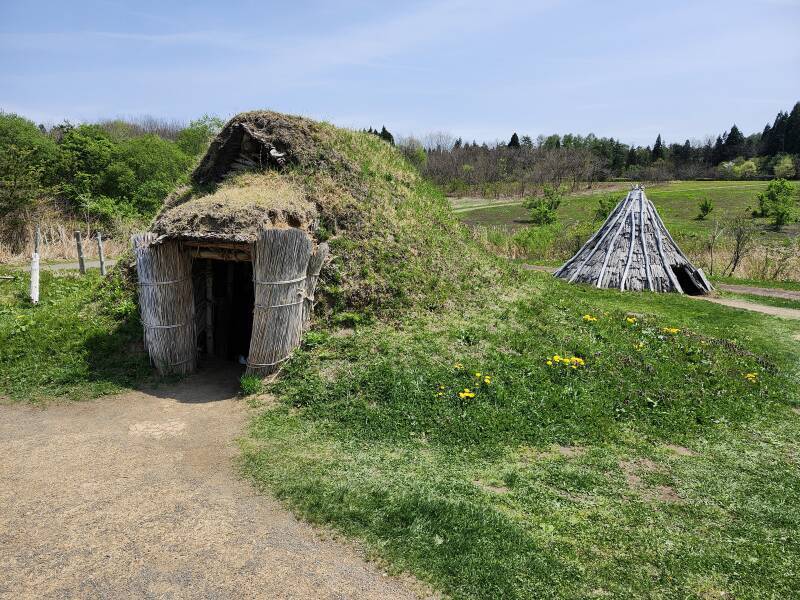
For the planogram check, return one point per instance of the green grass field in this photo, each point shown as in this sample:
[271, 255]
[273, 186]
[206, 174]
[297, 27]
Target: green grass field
[82, 340]
[655, 469]
[676, 202]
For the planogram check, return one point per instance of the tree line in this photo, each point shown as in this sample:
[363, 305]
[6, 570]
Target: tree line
[107, 171]
[522, 163]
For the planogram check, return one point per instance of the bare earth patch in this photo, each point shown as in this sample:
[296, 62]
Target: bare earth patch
[494, 489]
[569, 451]
[633, 470]
[136, 496]
[680, 450]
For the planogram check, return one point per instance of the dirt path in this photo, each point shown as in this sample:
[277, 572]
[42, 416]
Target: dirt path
[759, 291]
[136, 496]
[775, 311]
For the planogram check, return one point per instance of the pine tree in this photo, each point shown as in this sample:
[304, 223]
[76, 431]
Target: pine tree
[658, 149]
[717, 153]
[514, 142]
[734, 144]
[792, 137]
[458, 143]
[632, 159]
[386, 136]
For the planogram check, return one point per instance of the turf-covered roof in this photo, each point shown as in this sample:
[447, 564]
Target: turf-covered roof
[393, 237]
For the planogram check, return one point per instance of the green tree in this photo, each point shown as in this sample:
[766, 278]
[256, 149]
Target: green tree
[386, 136]
[784, 167]
[778, 202]
[746, 169]
[514, 141]
[658, 149]
[543, 208]
[194, 139]
[27, 156]
[734, 144]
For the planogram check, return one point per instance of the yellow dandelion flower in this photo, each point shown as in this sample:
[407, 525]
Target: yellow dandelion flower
[670, 330]
[589, 318]
[630, 320]
[549, 363]
[487, 380]
[458, 366]
[477, 375]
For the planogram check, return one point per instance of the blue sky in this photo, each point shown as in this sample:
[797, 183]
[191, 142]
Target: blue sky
[476, 69]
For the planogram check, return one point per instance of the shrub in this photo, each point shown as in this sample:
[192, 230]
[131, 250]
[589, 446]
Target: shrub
[543, 208]
[704, 207]
[778, 202]
[605, 204]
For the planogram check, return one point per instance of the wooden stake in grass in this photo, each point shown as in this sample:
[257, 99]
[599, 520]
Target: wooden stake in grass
[79, 243]
[35, 268]
[314, 268]
[100, 254]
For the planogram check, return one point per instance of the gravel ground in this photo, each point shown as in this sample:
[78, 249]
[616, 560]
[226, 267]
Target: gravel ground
[137, 496]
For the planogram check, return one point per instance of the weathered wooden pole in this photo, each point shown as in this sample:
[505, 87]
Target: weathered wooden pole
[81, 261]
[35, 267]
[100, 254]
[209, 308]
[312, 276]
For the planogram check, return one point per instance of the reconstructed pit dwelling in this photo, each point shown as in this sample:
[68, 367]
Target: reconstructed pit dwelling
[231, 271]
[634, 251]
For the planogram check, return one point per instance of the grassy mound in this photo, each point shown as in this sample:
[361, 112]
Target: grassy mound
[394, 240]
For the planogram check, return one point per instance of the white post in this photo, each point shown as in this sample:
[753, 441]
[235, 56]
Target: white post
[35, 269]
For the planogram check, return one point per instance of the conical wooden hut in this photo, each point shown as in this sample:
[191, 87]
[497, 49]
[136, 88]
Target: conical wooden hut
[230, 265]
[634, 251]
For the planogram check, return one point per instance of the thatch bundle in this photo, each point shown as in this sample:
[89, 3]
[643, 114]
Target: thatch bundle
[634, 251]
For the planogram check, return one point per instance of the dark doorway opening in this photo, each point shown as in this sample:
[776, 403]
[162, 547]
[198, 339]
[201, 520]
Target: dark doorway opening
[688, 281]
[225, 288]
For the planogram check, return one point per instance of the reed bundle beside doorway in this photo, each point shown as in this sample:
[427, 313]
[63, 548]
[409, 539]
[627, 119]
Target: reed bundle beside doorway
[166, 303]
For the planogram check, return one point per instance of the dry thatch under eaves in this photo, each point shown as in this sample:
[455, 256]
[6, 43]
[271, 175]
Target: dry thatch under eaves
[634, 251]
[236, 209]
